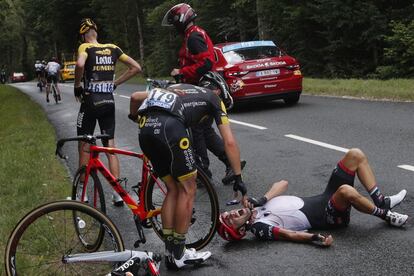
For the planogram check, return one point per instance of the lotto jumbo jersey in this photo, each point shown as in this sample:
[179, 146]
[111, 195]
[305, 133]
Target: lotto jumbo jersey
[100, 66]
[190, 103]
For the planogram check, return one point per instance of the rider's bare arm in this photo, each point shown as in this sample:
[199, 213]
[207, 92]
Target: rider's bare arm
[231, 148]
[133, 69]
[305, 237]
[277, 189]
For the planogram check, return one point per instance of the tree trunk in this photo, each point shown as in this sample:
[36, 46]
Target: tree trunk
[262, 23]
[140, 34]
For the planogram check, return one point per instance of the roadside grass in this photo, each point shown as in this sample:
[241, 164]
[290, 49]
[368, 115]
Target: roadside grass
[29, 171]
[394, 89]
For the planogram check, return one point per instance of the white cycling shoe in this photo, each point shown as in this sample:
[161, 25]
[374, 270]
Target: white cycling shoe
[396, 219]
[394, 200]
[191, 257]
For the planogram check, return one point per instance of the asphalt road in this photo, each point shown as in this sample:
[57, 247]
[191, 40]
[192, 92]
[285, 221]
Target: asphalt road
[275, 148]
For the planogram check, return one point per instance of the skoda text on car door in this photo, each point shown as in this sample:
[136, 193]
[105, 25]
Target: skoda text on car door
[259, 70]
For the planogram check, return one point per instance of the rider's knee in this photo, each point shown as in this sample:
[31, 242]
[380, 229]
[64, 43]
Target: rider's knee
[356, 154]
[347, 191]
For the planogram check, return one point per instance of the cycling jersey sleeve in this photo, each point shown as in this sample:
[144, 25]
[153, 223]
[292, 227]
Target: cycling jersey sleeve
[220, 112]
[197, 46]
[264, 231]
[82, 49]
[119, 53]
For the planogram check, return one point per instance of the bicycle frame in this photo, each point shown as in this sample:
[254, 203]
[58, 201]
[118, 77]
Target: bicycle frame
[137, 208]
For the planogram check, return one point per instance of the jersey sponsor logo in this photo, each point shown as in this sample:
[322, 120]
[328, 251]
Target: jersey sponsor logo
[80, 119]
[194, 104]
[106, 52]
[189, 159]
[103, 60]
[142, 121]
[184, 143]
[99, 68]
[152, 122]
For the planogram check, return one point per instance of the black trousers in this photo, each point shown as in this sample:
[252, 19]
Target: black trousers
[205, 137]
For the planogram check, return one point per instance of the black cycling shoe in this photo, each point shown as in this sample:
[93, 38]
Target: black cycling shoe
[229, 177]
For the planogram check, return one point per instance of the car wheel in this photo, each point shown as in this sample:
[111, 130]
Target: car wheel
[293, 99]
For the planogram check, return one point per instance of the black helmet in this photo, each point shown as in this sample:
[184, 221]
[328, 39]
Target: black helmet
[214, 80]
[179, 16]
[85, 25]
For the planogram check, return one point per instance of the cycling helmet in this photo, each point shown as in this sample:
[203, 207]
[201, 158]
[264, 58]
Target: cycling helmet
[44, 61]
[227, 232]
[179, 16]
[214, 80]
[85, 25]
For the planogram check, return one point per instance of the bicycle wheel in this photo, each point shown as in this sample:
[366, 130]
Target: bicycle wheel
[94, 196]
[55, 93]
[42, 238]
[205, 211]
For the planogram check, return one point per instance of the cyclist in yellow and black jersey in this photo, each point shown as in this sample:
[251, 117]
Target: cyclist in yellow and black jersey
[166, 115]
[95, 65]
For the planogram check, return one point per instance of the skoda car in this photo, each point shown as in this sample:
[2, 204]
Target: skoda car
[259, 70]
[68, 71]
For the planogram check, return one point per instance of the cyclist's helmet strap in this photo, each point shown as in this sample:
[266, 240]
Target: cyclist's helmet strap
[87, 24]
[179, 16]
[214, 80]
[227, 232]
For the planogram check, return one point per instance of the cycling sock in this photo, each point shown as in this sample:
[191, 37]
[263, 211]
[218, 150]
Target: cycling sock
[377, 196]
[378, 212]
[168, 239]
[178, 245]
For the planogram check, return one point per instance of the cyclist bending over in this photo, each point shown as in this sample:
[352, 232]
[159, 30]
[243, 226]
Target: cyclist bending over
[165, 116]
[280, 217]
[52, 71]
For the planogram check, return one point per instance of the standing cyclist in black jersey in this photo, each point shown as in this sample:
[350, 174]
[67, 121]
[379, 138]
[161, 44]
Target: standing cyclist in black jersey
[96, 67]
[165, 115]
[280, 217]
[196, 58]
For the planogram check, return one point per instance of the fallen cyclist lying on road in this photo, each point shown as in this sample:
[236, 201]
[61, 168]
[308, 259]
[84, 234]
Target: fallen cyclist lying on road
[277, 217]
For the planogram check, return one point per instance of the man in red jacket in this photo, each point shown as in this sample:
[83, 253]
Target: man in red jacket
[196, 58]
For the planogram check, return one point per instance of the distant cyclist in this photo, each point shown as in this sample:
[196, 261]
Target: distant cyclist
[279, 217]
[96, 67]
[166, 114]
[52, 72]
[39, 67]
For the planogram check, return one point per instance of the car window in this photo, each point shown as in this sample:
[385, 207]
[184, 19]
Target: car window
[17, 74]
[245, 54]
[72, 66]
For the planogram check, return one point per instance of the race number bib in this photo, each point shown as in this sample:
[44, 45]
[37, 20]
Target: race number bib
[101, 87]
[161, 98]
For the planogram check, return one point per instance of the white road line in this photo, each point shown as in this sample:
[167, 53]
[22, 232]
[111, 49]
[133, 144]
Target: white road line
[406, 167]
[247, 124]
[126, 97]
[321, 144]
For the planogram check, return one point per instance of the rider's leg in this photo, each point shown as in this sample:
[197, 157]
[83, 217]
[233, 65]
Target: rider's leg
[113, 159]
[347, 195]
[183, 211]
[356, 161]
[47, 91]
[168, 212]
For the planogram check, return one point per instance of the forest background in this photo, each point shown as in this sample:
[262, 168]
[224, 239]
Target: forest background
[330, 38]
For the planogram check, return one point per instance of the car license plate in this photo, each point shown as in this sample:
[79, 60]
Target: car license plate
[268, 72]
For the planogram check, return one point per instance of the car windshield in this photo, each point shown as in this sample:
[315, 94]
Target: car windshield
[18, 74]
[252, 53]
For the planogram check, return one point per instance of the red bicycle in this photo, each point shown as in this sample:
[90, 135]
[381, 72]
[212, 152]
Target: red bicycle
[149, 195]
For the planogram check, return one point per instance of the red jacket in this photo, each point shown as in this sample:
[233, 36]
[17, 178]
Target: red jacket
[196, 55]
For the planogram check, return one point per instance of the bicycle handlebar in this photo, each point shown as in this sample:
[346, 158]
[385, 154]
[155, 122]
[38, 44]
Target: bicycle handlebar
[85, 138]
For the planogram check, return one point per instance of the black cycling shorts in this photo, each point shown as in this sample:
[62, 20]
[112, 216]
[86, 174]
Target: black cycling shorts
[89, 114]
[165, 141]
[38, 73]
[320, 210]
[52, 78]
